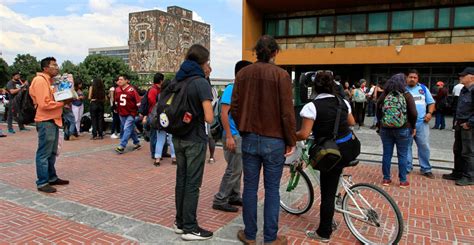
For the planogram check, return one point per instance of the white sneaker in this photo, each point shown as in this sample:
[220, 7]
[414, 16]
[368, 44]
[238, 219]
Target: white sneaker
[114, 136]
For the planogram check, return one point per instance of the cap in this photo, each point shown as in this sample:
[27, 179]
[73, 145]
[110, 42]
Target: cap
[467, 71]
[439, 83]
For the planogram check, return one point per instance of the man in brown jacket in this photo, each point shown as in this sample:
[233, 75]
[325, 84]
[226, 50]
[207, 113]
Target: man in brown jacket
[263, 110]
[48, 121]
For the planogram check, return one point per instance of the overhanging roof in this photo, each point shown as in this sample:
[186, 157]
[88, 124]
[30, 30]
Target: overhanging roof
[282, 6]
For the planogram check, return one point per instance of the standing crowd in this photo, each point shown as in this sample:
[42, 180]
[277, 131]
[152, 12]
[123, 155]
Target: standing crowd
[258, 123]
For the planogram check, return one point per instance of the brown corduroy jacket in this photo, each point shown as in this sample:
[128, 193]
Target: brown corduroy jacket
[262, 102]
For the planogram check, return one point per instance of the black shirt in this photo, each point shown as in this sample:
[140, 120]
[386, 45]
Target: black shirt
[465, 108]
[199, 90]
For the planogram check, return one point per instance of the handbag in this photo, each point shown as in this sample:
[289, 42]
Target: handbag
[324, 154]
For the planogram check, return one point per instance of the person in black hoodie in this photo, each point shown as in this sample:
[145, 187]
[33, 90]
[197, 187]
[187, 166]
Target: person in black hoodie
[191, 148]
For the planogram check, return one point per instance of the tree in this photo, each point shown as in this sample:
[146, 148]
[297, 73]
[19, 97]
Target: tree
[4, 74]
[68, 67]
[106, 68]
[27, 65]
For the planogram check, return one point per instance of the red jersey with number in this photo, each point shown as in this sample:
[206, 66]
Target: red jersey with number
[127, 101]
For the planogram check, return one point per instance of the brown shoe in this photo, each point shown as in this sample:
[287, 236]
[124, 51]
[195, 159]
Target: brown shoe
[281, 240]
[243, 239]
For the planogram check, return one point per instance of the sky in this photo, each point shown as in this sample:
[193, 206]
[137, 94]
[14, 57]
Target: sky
[66, 29]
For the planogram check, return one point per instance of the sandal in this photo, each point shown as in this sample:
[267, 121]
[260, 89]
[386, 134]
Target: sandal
[156, 163]
[173, 161]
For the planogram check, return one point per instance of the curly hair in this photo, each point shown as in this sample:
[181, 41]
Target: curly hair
[324, 83]
[265, 47]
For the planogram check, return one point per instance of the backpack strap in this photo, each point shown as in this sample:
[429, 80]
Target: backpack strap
[338, 117]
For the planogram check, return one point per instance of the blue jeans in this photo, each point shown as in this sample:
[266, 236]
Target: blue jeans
[69, 123]
[152, 138]
[422, 139]
[259, 150]
[48, 134]
[399, 137]
[128, 125]
[161, 137]
[440, 121]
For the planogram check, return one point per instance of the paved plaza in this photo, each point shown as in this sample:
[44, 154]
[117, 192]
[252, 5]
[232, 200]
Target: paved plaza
[122, 199]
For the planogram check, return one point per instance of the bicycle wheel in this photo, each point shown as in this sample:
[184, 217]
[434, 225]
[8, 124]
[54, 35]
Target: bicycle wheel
[382, 221]
[296, 192]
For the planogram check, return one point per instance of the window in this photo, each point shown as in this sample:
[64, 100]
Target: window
[378, 22]
[444, 17]
[464, 17]
[424, 19]
[402, 20]
[326, 25]
[343, 24]
[270, 27]
[294, 27]
[281, 28]
[309, 26]
[358, 23]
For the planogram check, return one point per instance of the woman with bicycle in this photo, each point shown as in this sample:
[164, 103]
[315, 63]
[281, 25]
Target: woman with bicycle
[319, 118]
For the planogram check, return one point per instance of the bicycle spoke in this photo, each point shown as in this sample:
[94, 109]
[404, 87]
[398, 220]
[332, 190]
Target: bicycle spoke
[382, 223]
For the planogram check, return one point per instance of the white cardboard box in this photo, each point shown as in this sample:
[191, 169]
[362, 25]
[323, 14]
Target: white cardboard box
[64, 95]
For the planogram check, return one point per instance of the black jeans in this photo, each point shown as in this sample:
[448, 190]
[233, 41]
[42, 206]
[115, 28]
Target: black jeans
[359, 112]
[97, 117]
[463, 150]
[370, 108]
[190, 157]
[10, 117]
[329, 182]
[115, 123]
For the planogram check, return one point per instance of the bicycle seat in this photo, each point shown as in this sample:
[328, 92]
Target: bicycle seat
[353, 163]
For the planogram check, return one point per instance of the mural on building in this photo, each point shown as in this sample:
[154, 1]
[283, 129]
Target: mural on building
[159, 40]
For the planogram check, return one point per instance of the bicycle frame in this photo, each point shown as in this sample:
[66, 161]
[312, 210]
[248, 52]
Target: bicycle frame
[345, 181]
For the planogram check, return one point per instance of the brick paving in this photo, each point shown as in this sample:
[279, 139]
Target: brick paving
[435, 211]
[22, 225]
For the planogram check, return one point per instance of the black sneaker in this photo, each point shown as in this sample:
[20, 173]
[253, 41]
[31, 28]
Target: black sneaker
[47, 189]
[428, 175]
[119, 150]
[197, 235]
[464, 181]
[137, 147]
[59, 182]
[237, 202]
[452, 176]
[225, 207]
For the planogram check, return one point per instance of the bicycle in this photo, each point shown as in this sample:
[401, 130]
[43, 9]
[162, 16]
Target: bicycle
[369, 212]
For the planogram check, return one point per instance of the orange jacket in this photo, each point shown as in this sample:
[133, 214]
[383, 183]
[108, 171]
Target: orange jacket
[41, 91]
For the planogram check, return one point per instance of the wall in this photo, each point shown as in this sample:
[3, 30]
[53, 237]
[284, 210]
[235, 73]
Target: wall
[158, 40]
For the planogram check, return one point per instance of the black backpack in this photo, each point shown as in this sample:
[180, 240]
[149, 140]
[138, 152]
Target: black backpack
[144, 106]
[216, 126]
[86, 122]
[174, 112]
[23, 109]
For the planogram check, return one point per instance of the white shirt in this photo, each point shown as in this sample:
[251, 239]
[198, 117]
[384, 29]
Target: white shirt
[309, 110]
[457, 89]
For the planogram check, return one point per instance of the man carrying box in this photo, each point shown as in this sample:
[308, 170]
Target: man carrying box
[48, 121]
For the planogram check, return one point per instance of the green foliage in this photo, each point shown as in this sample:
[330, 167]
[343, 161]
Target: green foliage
[104, 67]
[68, 67]
[27, 65]
[4, 74]
[169, 76]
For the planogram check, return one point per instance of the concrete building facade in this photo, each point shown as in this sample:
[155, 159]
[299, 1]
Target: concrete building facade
[366, 39]
[120, 52]
[159, 40]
